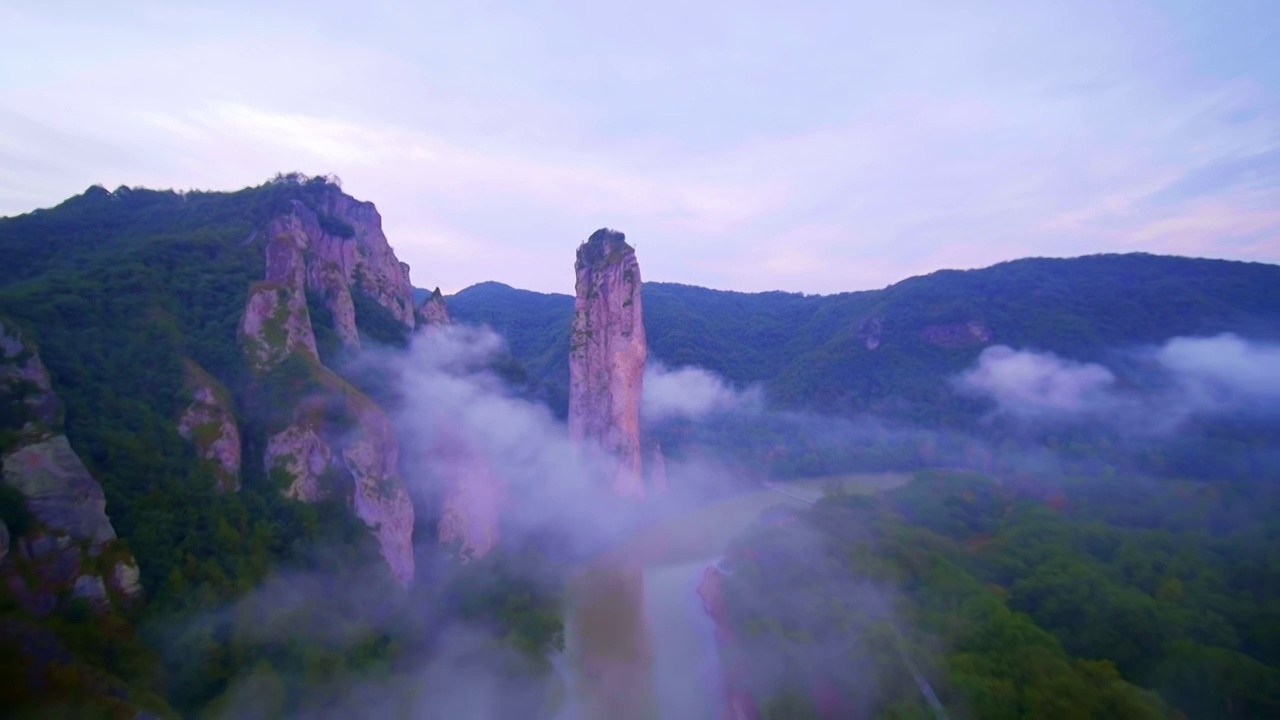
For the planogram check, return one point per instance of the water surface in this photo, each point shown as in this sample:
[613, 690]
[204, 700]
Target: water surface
[639, 645]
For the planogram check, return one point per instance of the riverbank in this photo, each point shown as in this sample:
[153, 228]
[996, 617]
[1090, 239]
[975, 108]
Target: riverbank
[738, 704]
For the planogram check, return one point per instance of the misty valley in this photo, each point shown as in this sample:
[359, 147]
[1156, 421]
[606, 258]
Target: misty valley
[251, 471]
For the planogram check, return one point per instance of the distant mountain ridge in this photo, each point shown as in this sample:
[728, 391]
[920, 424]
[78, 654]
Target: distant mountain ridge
[859, 351]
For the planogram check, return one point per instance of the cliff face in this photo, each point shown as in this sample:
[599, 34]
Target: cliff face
[326, 437]
[209, 423]
[607, 355]
[66, 544]
[341, 250]
[371, 455]
[275, 325]
[432, 312]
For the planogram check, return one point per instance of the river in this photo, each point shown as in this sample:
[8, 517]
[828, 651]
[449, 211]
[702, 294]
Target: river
[639, 644]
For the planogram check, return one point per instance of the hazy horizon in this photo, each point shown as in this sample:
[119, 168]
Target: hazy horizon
[826, 149]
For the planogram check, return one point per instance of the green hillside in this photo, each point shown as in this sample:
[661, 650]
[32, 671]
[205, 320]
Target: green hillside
[1089, 598]
[813, 351]
[120, 291]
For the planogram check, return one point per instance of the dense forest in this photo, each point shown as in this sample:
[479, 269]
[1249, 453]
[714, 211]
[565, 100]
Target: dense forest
[886, 350]
[1077, 598]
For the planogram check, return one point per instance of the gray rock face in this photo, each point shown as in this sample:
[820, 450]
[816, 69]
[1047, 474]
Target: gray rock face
[59, 490]
[432, 312]
[275, 324]
[4, 539]
[372, 455]
[376, 271]
[64, 500]
[24, 382]
[125, 579]
[209, 423]
[334, 248]
[364, 454]
[357, 461]
[299, 451]
[342, 251]
[91, 588]
[607, 354]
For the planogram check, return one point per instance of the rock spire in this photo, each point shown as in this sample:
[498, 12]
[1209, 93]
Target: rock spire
[432, 312]
[607, 354]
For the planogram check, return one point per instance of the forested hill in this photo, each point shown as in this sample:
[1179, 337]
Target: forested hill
[161, 354]
[864, 350]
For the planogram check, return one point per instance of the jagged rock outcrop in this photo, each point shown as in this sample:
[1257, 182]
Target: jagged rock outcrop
[126, 578]
[326, 437]
[275, 324]
[341, 251]
[58, 489]
[67, 542]
[371, 455]
[300, 453]
[25, 390]
[336, 442]
[432, 312]
[607, 354]
[209, 423]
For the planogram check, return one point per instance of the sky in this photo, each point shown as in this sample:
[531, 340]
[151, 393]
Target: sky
[813, 147]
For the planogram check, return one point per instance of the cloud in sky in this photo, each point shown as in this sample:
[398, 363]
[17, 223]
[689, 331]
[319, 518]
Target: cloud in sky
[752, 146]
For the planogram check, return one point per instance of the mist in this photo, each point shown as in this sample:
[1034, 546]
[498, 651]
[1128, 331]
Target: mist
[462, 426]
[483, 454]
[1154, 391]
[691, 392]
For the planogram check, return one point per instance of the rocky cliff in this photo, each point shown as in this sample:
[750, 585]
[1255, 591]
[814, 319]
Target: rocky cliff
[324, 437]
[209, 423]
[335, 248]
[275, 325]
[432, 312]
[607, 355]
[65, 545]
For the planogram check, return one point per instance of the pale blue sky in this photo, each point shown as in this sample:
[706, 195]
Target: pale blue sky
[815, 147]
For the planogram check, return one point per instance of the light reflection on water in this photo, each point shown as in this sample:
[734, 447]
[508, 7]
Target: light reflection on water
[639, 645]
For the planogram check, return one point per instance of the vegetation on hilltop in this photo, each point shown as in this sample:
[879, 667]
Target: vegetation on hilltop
[812, 351]
[893, 354]
[1118, 598]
